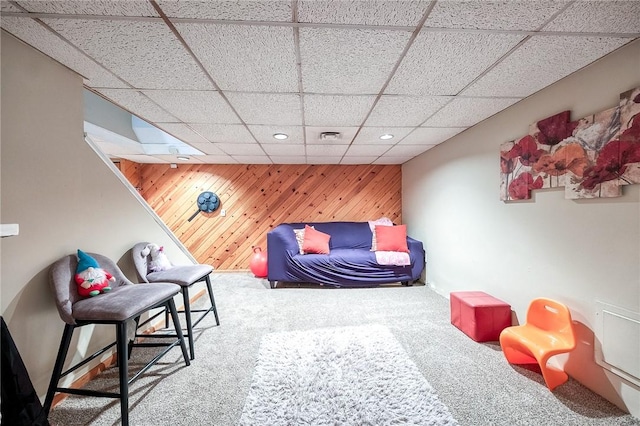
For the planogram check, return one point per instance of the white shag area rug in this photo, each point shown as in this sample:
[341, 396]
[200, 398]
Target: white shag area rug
[339, 376]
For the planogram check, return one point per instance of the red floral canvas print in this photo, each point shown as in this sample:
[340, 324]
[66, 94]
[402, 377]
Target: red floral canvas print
[591, 157]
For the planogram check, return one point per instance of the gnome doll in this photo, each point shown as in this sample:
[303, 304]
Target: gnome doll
[90, 277]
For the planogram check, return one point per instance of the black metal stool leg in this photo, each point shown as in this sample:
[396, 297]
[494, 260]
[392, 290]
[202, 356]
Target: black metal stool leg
[187, 315]
[123, 367]
[213, 302]
[131, 343]
[57, 369]
[176, 321]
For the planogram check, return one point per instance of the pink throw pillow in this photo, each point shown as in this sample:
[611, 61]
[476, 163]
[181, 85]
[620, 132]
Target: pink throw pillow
[315, 241]
[392, 238]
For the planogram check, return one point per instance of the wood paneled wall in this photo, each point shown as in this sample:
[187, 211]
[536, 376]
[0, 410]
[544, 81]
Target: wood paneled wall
[257, 198]
[131, 171]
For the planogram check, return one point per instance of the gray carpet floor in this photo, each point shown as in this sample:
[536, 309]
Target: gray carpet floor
[473, 379]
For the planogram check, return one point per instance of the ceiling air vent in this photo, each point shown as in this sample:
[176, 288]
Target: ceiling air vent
[329, 136]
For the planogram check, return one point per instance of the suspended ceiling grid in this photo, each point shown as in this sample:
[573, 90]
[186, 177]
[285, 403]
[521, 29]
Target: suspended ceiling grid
[224, 76]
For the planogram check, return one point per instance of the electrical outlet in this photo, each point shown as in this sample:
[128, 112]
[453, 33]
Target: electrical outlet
[223, 212]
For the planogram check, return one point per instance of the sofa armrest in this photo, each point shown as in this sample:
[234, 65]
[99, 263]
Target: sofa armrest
[281, 246]
[416, 249]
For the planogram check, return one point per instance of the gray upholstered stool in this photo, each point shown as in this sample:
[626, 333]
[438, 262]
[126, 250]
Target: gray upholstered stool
[126, 301]
[183, 275]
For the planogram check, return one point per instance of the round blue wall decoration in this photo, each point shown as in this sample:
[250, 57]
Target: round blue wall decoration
[207, 202]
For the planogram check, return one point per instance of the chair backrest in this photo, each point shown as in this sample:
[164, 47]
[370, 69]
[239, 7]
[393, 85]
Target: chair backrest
[552, 316]
[63, 284]
[140, 261]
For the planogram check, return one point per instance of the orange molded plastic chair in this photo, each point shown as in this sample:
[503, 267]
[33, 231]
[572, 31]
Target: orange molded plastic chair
[547, 332]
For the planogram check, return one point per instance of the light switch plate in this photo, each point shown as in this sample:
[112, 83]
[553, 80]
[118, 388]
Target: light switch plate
[9, 229]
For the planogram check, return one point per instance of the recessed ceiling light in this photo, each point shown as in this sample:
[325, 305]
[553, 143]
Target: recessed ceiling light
[386, 136]
[280, 136]
[182, 157]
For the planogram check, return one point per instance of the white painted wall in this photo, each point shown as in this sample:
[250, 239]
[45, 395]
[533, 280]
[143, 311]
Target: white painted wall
[63, 196]
[577, 252]
[103, 113]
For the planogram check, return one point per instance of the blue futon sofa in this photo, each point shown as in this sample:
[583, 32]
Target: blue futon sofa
[350, 263]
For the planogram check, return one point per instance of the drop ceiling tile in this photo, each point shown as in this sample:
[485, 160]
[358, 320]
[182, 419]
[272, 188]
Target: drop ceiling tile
[371, 135]
[284, 149]
[339, 111]
[406, 150]
[223, 133]
[326, 150]
[179, 148]
[9, 7]
[118, 142]
[114, 149]
[135, 101]
[599, 16]
[285, 159]
[94, 7]
[540, 61]
[492, 15]
[183, 132]
[193, 159]
[395, 13]
[367, 150]
[143, 159]
[465, 112]
[430, 135]
[263, 10]
[323, 159]
[405, 110]
[391, 160]
[218, 159]
[252, 159]
[345, 138]
[48, 43]
[267, 108]
[145, 54]
[245, 57]
[443, 63]
[235, 149]
[358, 160]
[194, 107]
[208, 148]
[264, 134]
[356, 61]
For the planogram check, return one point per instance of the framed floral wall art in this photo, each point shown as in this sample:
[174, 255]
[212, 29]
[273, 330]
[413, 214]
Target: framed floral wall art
[591, 157]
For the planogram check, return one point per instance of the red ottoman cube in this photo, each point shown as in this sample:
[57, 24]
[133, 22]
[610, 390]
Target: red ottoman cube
[479, 315]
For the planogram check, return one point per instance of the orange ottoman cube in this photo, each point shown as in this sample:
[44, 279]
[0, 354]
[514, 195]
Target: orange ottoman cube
[479, 315]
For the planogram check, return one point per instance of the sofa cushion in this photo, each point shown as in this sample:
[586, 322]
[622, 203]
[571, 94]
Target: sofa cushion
[391, 238]
[346, 235]
[315, 241]
[183, 275]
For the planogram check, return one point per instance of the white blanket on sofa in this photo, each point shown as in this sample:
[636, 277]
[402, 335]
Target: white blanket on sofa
[395, 258]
